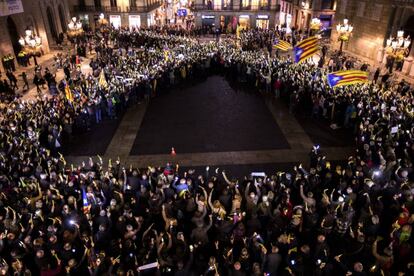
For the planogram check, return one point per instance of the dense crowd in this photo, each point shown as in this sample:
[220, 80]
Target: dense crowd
[104, 218]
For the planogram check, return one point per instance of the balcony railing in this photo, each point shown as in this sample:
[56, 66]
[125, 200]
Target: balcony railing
[93, 9]
[255, 8]
[211, 7]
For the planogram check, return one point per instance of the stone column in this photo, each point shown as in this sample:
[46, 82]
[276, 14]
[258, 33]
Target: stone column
[408, 61]
[411, 74]
[380, 55]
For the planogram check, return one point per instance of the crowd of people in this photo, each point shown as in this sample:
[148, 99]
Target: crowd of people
[106, 217]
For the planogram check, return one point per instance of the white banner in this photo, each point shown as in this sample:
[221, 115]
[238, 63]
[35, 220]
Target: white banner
[115, 20]
[134, 21]
[8, 7]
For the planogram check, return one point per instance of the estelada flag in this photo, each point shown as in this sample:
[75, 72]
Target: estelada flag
[347, 77]
[306, 48]
[282, 45]
[86, 206]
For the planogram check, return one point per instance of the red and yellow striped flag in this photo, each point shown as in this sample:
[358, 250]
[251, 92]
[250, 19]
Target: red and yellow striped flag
[306, 48]
[282, 45]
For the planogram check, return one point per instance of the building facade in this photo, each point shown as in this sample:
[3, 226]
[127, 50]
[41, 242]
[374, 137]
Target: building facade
[224, 13]
[374, 22]
[45, 18]
[230, 13]
[304, 11]
[125, 13]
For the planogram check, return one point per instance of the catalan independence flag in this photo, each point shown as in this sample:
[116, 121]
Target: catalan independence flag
[347, 77]
[282, 45]
[68, 93]
[306, 48]
[86, 206]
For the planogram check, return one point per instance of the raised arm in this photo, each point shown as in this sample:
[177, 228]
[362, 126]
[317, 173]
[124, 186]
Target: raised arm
[225, 178]
[164, 215]
[246, 191]
[209, 199]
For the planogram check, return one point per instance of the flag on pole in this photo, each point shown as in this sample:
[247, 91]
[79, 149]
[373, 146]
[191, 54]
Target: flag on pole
[68, 93]
[102, 80]
[282, 45]
[85, 203]
[306, 48]
[347, 77]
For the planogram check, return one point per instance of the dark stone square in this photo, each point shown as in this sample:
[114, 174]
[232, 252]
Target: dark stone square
[208, 117]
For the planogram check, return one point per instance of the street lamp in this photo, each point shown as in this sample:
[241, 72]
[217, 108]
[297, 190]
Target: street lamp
[305, 5]
[31, 43]
[344, 31]
[102, 22]
[315, 25]
[75, 28]
[397, 47]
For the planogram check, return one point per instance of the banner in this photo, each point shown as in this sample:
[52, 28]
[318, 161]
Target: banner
[8, 7]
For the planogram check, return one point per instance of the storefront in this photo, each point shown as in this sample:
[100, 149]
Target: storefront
[228, 23]
[262, 21]
[244, 21]
[134, 21]
[115, 20]
[207, 20]
[150, 19]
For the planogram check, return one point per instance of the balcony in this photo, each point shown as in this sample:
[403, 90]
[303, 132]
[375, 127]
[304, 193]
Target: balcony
[255, 8]
[206, 7]
[109, 9]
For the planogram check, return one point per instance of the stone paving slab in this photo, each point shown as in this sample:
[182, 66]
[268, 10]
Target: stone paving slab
[224, 158]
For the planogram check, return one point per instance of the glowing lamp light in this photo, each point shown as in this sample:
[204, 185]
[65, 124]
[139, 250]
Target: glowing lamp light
[389, 41]
[407, 42]
[398, 46]
[31, 43]
[315, 24]
[75, 27]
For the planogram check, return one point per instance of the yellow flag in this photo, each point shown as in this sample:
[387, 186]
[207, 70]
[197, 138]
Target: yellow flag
[68, 93]
[102, 80]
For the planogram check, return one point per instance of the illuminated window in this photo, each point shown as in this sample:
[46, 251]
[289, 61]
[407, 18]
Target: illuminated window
[264, 4]
[217, 4]
[227, 4]
[245, 3]
[255, 4]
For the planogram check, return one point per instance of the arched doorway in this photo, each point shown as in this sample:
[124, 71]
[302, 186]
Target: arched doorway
[62, 18]
[52, 25]
[409, 26]
[14, 35]
[409, 30]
